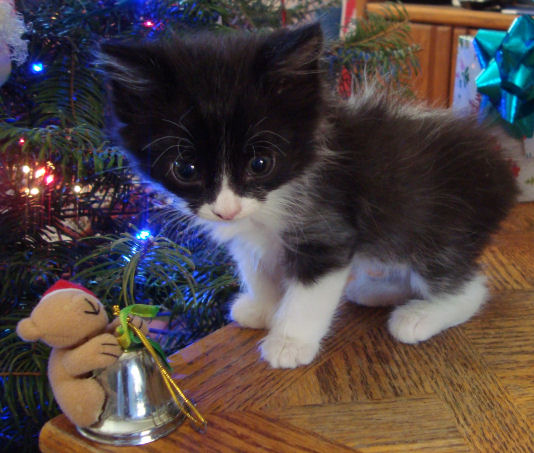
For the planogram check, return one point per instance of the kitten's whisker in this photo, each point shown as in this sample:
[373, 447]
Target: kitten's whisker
[178, 145]
[159, 139]
[267, 131]
[254, 126]
[181, 125]
[270, 145]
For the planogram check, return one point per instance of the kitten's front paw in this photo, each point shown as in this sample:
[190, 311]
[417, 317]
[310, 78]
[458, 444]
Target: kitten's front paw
[414, 322]
[249, 312]
[284, 352]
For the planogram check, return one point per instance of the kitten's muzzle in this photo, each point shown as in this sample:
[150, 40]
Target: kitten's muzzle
[227, 214]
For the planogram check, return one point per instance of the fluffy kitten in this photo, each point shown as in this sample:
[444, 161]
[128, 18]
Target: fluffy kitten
[303, 186]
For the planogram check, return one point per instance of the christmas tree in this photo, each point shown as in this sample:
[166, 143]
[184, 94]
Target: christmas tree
[70, 205]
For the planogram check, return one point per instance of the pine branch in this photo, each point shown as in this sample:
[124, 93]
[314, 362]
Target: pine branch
[378, 46]
[86, 235]
[130, 261]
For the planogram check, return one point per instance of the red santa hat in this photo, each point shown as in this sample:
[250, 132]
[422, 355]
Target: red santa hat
[62, 285]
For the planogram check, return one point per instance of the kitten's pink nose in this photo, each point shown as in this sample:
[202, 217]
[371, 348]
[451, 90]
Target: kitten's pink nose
[227, 204]
[228, 213]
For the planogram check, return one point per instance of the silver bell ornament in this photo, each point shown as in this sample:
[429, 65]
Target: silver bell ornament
[143, 403]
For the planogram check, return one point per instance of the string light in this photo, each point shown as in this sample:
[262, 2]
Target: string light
[77, 188]
[34, 191]
[143, 235]
[37, 67]
[25, 169]
[22, 141]
[40, 172]
[148, 23]
[49, 179]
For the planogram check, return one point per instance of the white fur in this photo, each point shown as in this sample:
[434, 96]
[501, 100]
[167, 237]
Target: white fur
[298, 316]
[124, 73]
[254, 242]
[302, 320]
[228, 206]
[255, 228]
[419, 320]
[263, 286]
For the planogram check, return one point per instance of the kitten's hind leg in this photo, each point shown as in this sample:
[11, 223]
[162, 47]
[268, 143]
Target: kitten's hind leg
[419, 320]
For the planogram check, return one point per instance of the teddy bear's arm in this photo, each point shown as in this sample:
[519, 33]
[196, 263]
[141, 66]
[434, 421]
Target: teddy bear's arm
[138, 322]
[98, 352]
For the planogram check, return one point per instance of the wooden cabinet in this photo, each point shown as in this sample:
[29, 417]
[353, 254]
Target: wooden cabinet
[436, 29]
[432, 82]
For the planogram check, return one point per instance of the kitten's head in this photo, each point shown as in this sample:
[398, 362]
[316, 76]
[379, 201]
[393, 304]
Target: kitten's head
[219, 120]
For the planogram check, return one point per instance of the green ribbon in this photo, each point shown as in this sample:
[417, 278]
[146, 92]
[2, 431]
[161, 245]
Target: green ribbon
[127, 338]
[507, 78]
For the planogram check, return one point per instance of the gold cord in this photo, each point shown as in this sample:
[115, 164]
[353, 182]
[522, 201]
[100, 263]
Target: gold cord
[187, 407]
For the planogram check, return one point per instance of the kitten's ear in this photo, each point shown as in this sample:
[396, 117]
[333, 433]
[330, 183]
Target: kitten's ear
[137, 76]
[134, 66]
[291, 52]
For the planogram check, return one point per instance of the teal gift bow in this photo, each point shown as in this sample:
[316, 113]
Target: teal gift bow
[127, 338]
[507, 78]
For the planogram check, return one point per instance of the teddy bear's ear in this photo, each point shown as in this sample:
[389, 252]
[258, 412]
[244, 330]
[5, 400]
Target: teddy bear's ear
[27, 330]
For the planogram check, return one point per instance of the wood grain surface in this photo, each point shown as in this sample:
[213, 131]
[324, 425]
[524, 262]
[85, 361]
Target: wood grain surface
[469, 389]
[448, 15]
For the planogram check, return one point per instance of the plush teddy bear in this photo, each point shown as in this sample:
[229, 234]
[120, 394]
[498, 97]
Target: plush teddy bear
[71, 320]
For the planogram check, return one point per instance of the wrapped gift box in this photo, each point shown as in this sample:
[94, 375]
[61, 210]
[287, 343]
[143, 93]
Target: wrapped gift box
[467, 100]
[466, 97]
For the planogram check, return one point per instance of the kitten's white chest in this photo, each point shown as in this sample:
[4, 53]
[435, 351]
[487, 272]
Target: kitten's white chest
[258, 243]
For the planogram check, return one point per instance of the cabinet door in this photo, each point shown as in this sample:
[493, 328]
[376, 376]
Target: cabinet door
[433, 81]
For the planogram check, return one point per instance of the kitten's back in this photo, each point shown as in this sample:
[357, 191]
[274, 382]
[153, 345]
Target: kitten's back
[422, 182]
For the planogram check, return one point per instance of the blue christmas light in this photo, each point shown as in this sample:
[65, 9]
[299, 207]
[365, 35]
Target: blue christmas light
[143, 235]
[37, 68]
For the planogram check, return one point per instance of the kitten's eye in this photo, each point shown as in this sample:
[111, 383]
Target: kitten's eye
[185, 170]
[260, 166]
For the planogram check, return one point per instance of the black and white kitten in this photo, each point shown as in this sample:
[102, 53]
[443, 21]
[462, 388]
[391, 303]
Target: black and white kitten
[303, 186]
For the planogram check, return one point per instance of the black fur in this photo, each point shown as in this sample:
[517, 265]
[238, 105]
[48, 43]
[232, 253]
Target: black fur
[396, 182]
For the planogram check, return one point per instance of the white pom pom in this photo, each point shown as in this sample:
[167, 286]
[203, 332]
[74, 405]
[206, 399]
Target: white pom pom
[12, 46]
[5, 63]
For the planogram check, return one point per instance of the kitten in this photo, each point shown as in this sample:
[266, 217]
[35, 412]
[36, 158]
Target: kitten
[303, 186]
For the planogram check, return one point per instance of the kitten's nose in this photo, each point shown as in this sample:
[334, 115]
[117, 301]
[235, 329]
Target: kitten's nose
[227, 204]
[227, 214]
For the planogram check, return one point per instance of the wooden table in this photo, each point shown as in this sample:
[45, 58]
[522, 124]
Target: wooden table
[468, 389]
